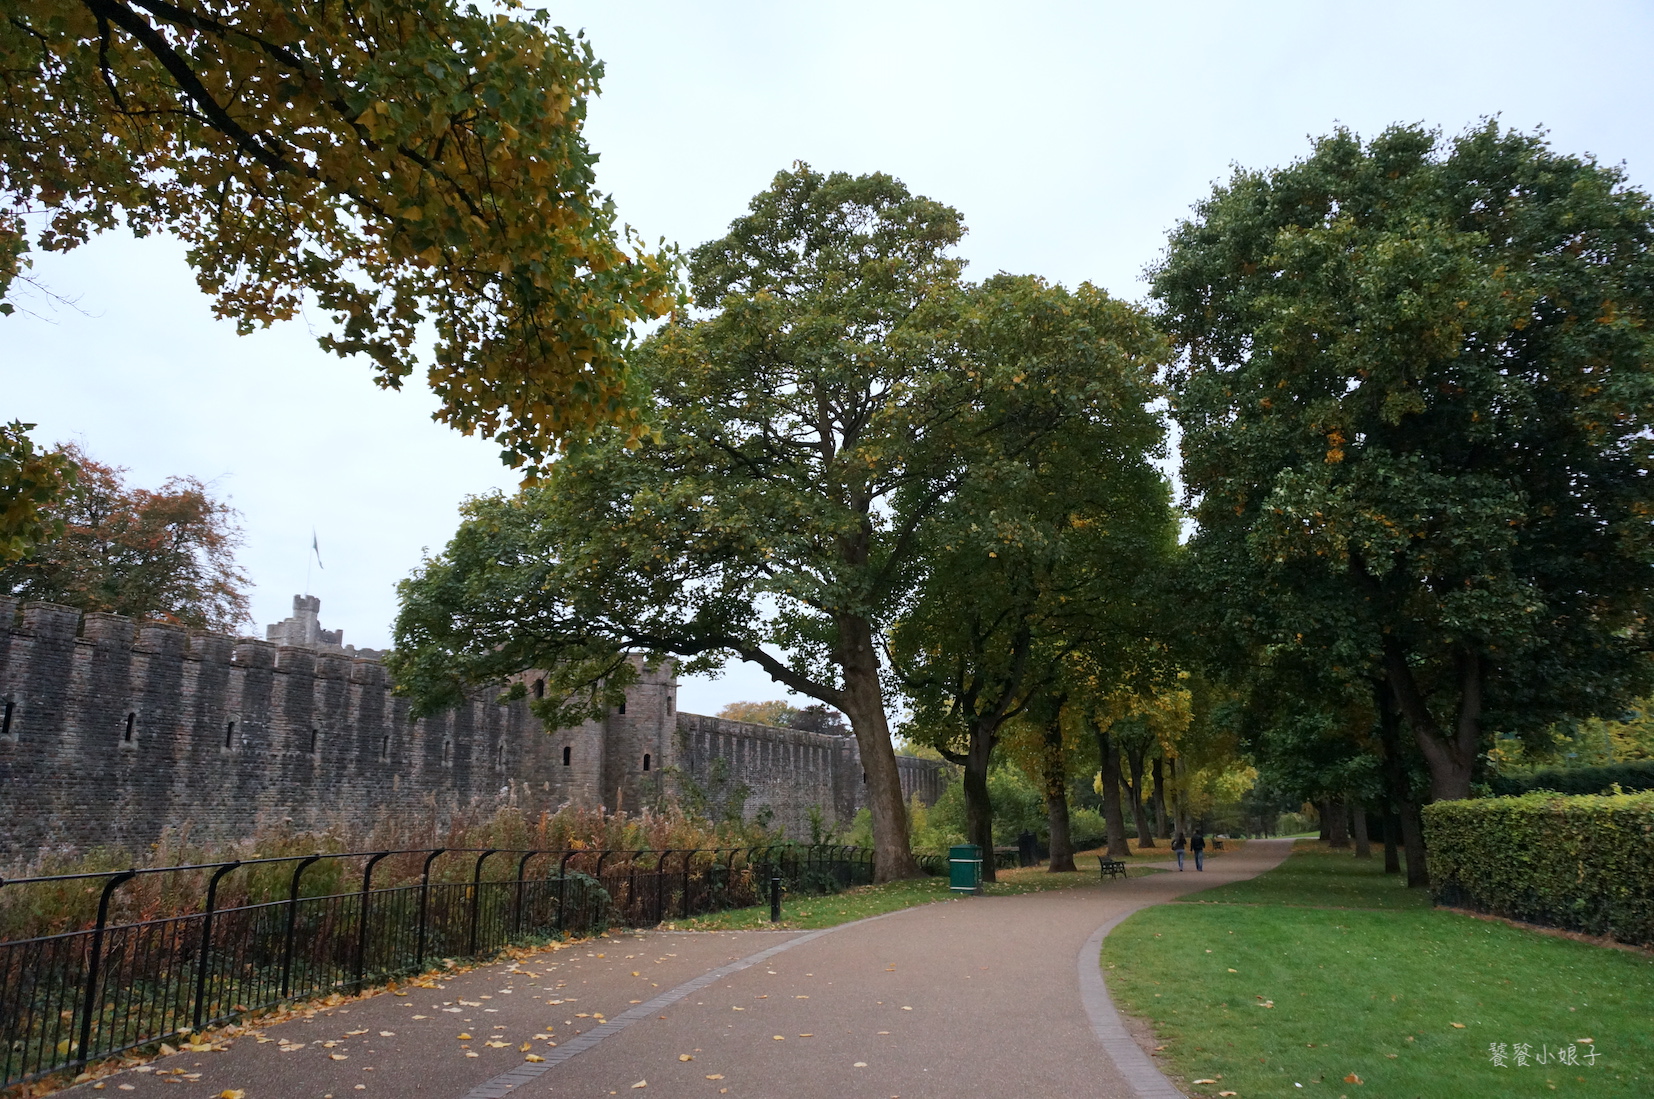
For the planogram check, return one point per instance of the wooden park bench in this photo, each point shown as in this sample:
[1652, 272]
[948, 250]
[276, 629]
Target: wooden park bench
[1110, 868]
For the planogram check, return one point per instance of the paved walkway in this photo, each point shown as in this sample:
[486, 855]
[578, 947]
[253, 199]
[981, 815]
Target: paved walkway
[975, 996]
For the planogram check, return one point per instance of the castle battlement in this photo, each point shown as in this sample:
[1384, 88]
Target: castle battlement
[112, 732]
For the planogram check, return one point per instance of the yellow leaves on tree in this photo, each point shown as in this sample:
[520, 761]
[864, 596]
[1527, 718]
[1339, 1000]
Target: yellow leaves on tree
[398, 162]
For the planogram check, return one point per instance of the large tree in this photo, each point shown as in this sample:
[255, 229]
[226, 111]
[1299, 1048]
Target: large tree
[400, 162]
[166, 554]
[1058, 517]
[776, 513]
[1416, 407]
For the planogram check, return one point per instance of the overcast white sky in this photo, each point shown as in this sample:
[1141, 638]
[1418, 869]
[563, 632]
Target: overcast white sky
[1072, 136]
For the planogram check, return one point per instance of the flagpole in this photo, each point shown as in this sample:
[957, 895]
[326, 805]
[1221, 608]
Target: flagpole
[315, 555]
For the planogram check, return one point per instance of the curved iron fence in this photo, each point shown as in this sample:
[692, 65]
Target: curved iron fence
[70, 999]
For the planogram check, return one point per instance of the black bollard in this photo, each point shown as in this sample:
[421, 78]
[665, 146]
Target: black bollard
[775, 898]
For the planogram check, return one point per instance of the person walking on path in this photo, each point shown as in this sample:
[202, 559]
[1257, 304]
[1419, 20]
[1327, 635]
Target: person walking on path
[1198, 846]
[1180, 845]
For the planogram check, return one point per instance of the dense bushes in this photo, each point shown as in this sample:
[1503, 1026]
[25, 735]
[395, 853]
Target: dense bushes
[1634, 775]
[49, 909]
[1584, 863]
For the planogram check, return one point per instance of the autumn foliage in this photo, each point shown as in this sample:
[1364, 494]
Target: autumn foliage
[399, 163]
[167, 554]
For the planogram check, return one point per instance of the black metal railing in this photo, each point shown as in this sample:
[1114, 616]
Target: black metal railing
[120, 983]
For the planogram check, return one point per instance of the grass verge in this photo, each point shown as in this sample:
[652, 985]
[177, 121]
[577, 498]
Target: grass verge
[807, 913]
[1323, 977]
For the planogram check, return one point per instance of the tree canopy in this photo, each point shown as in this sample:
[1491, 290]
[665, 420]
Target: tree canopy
[166, 554]
[402, 162]
[1041, 550]
[1416, 404]
[761, 520]
[33, 483]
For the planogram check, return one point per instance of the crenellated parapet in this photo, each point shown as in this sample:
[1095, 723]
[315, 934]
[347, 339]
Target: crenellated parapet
[113, 732]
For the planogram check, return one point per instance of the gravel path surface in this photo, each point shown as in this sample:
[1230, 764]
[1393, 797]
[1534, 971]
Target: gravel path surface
[976, 996]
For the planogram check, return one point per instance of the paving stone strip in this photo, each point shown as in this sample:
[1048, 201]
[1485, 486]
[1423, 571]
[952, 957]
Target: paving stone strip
[970, 996]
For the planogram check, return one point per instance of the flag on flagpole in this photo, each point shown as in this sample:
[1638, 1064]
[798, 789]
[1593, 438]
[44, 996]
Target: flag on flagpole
[316, 549]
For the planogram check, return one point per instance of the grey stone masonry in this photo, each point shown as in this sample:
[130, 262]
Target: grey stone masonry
[113, 733]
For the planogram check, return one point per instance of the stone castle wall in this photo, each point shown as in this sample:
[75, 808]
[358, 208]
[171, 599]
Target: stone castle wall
[111, 734]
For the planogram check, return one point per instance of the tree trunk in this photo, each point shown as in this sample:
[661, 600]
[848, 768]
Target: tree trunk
[1162, 823]
[1400, 789]
[979, 810]
[864, 705]
[1134, 760]
[1451, 757]
[1112, 817]
[1321, 815]
[1392, 828]
[1412, 846]
[1337, 823]
[1180, 802]
[1358, 817]
[1056, 797]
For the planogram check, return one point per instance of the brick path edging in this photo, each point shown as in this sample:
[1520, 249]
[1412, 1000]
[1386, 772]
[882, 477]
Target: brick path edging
[1136, 1066]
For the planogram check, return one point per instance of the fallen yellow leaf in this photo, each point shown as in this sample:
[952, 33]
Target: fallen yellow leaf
[232, 1093]
[685, 1057]
[1206, 1081]
[1352, 1078]
[525, 1047]
[778, 1038]
[716, 1076]
[340, 1056]
[534, 1057]
[1458, 1026]
[806, 1035]
[464, 1037]
[640, 1083]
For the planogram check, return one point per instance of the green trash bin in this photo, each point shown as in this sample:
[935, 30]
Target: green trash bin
[965, 868]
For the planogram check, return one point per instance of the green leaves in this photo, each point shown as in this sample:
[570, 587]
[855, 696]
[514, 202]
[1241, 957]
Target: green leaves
[1583, 863]
[101, 545]
[32, 485]
[1411, 419]
[396, 162]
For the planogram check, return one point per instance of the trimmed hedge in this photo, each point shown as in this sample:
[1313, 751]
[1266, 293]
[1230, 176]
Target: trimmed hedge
[1629, 776]
[1583, 863]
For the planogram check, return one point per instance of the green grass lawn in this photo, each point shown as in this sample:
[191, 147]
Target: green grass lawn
[1256, 987]
[808, 912]
[1317, 875]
